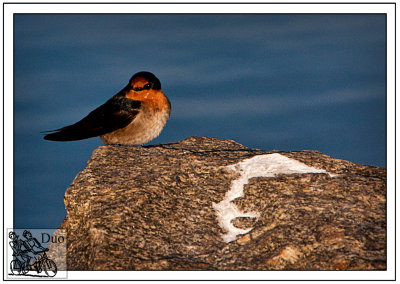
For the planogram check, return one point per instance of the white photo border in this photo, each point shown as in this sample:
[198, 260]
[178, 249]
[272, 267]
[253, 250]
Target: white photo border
[10, 8]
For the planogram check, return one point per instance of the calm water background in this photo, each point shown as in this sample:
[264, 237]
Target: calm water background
[285, 82]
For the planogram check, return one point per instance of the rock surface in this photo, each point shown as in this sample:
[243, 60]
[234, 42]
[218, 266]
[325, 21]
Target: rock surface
[209, 204]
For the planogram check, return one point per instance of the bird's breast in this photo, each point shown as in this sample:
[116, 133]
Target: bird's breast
[147, 124]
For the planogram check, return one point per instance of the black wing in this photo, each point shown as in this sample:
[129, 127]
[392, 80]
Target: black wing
[116, 113]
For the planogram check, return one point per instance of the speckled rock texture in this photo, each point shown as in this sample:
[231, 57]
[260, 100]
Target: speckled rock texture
[153, 208]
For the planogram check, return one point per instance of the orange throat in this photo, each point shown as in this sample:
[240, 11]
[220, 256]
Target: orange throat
[154, 99]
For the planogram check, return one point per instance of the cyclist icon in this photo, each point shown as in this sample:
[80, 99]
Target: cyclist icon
[30, 255]
[21, 259]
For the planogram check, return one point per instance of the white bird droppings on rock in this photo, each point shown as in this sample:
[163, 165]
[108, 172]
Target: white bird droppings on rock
[267, 165]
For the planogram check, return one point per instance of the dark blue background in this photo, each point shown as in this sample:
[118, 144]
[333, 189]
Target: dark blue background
[286, 82]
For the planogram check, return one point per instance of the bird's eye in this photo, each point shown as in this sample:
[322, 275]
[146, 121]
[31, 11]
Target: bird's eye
[147, 86]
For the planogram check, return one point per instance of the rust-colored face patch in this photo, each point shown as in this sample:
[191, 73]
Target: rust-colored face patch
[141, 89]
[139, 83]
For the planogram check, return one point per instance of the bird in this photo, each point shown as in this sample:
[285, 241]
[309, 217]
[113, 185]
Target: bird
[134, 116]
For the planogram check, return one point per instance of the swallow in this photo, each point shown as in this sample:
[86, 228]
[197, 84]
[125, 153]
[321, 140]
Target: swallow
[134, 116]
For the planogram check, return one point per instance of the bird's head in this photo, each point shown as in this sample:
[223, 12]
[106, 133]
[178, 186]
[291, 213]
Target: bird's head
[144, 81]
